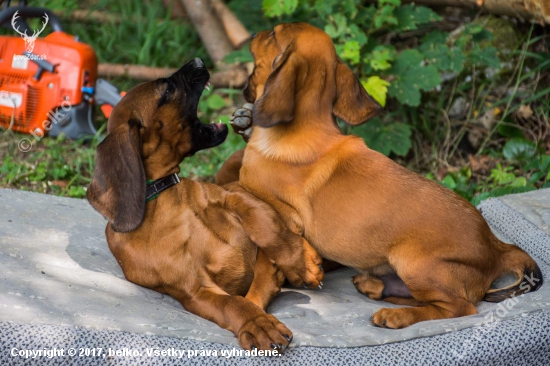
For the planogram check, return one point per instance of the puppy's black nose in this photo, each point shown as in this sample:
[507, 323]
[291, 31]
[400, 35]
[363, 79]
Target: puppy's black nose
[197, 63]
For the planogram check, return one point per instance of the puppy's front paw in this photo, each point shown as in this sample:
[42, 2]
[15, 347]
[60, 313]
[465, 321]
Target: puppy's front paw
[241, 121]
[264, 332]
[307, 270]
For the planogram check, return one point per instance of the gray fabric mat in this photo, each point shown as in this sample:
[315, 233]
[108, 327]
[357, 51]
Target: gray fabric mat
[81, 285]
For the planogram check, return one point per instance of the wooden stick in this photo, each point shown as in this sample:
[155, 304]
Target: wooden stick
[89, 16]
[234, 77]
[209, 28]
[178, 11]
[537, 10]
[235, 30]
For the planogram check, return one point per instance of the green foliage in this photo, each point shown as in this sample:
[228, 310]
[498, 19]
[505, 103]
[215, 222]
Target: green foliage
[276, 8]
[519, 149]
[55, 165]
[411, 77]
[386, 137]
[403, 74]
[525, 169]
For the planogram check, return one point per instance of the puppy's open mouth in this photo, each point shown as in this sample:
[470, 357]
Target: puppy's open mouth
[217, 126]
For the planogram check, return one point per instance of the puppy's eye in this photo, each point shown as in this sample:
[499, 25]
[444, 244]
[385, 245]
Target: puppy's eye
[272, 33]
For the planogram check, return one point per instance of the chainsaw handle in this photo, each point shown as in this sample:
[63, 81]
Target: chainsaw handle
[27, 12]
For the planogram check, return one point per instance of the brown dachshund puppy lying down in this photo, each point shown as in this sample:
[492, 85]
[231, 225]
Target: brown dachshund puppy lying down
[197, 242]
[354, 205]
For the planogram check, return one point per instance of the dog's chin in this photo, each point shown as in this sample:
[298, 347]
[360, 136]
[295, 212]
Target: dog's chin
[212, 135]
[219, 134]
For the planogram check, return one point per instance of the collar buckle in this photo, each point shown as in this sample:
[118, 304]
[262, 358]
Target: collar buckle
[154, 188]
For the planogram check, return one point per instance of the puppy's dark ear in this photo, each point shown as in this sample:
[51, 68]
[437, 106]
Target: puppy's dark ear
[353, 105]
[118, 186]
[277, 104]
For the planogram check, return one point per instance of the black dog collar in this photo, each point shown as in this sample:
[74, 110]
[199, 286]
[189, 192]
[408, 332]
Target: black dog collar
[154, 188]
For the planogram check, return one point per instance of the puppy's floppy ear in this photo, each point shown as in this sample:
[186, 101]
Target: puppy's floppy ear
[353, 104]
[277, 103]
[118, 186]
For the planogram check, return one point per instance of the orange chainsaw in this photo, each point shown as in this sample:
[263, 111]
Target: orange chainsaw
[48, 85]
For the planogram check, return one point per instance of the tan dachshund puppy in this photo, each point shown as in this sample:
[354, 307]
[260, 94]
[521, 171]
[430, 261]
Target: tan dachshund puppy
[354, 205]
[197, 242]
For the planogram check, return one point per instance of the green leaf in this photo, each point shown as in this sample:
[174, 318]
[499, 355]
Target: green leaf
[442, 57]
[510, 131]
[423, 15]
[404, 93]
[412, 77]
[519, 182]
[377, 88]
[358, 34]
[405, 17]
[536, 177]
[349, 7]
[324, 7]
[277, 8]
[449, 182]
[484, 57]
[425, 78]
[519, 149]
[386, 138]
[337, 26]
[435, 37]
[215, 102]
[385, 16]
[380, 57]
[410, 16]
[239, 56]
[351, 52]
[405, 60]
[392, 2]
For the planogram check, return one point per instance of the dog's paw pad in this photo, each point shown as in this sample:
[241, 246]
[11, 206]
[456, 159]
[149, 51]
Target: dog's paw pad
[265, 332]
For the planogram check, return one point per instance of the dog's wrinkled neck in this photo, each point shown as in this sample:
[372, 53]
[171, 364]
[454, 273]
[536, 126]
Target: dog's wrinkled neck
[156, 168]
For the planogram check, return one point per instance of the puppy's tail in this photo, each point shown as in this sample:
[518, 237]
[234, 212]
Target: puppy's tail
[516, 261]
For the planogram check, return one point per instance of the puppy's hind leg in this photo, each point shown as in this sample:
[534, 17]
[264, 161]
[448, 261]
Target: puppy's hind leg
[383, 286]
[441, 291]
[267, 282]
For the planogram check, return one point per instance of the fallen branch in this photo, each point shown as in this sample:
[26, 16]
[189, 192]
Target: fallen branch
[234, 29]
[178, 11]
[89, 16]
[537, 10]
[234, 77]
[209, 28]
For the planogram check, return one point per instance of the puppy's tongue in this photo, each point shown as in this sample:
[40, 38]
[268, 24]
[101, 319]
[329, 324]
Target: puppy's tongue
[217, 126]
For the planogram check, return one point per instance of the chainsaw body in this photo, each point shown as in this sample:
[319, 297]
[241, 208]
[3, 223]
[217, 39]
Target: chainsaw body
[52, 88]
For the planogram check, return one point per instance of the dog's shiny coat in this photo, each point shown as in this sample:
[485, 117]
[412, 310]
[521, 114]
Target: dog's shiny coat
[197, 242]
[354, 205]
